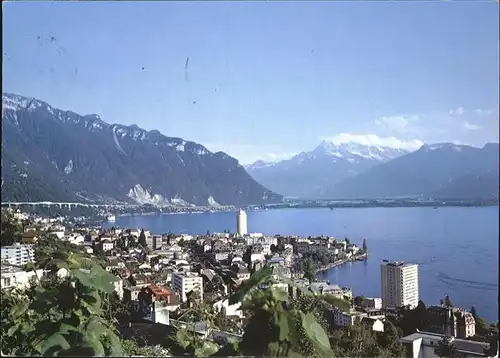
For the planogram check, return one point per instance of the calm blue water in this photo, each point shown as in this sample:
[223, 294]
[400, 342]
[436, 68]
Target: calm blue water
[457, 248]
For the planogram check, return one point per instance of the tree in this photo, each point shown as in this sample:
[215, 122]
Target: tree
[358, 300]
[225, 323]
[481, 328]
[218, 283]
[390, 339]
[347, 241]
[357, 341]
[447, 301]
[274, 249]
[364, 247]
[11, 229]
[193, 297]
[473, 312]
[142, 239]
[414, 319]
[420, 316]
[309, 270]
[247, 255]
[49, 247]
[447, 349]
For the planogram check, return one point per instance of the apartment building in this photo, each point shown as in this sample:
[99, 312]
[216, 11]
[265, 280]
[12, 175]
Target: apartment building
[185, 282]
[452, 321]
[399, 284]
[17, 254]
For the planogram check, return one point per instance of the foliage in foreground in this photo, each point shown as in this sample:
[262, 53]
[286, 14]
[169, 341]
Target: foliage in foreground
[64, 316]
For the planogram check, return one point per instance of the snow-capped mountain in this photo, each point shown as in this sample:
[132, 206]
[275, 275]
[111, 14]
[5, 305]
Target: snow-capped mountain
[259, 164]
[308, 174]
[443, 170]
[353, 151]
[50, 154]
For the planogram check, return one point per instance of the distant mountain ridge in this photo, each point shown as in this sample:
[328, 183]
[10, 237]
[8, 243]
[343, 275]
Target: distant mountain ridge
[355, 171]
[55, 155]
[309, 174]
[442, 170]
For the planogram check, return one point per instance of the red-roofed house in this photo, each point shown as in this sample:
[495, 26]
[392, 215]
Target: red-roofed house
[152, 293]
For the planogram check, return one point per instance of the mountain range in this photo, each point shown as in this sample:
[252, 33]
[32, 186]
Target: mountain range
[53, 155]
[353, 170]
[310, 174]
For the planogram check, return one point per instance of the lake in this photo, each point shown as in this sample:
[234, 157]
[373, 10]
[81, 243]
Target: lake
[456, 247]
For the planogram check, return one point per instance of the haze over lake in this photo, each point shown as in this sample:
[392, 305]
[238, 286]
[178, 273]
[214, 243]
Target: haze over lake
[456, 247]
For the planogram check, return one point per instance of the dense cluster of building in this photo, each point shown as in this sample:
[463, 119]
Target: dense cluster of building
[158, 274]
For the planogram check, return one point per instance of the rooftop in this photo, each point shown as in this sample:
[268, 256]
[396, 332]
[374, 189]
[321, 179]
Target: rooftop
[462, 345]
[10, 269]
[397, 263]
[186, 274]
[159, 291]
[17, 245]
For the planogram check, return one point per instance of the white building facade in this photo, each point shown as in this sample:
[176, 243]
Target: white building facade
[185, 282]
[18, 254]
[241, 223]
[264, 240]
[399, 284]
[15, 277]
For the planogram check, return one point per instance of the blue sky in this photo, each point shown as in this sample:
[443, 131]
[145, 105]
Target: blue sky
[265, 80]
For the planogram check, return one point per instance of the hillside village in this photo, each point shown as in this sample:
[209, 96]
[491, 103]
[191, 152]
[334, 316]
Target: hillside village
[160, 276]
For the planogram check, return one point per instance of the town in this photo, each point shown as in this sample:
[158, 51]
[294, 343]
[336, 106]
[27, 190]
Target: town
[165, 281]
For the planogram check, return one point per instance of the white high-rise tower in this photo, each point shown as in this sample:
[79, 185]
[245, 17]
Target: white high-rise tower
[399, 284]
[241, 223]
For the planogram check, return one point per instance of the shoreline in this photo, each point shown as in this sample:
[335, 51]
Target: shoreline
[341, 262]
[186, 210]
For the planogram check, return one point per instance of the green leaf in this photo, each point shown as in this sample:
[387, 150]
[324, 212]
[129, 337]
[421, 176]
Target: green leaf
[20, 309]
[257, 278]
[93, 342]
[96, 326]
[293, 323]
[207, 349]
[316, 334]
[283, 324]
[114, 345]
[273, 349]
[93, 299]
[13, 329]
[53, 344]
[65, 328]
[182, 338]
[280, 294]
[93, 278]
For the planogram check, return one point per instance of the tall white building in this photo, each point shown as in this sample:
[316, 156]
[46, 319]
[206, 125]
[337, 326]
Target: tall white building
[18, 254]
[241, 223]
[185, 282]
[399, 284]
